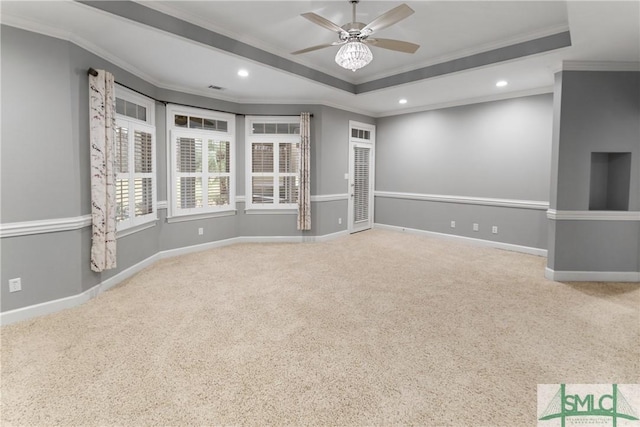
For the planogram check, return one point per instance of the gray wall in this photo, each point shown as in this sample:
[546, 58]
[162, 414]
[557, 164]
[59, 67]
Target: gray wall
[495, 150]
[600, 112]
[30, 149]
[45, 170]
[597, 112]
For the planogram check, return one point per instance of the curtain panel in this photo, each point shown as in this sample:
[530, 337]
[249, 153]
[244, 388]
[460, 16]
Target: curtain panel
[304, 198]
[103, 195]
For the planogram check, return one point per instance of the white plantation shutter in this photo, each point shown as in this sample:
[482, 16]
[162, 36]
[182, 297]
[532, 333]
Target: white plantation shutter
[135, 173]
[189, 172]
[219, 173]
[289, 184]
[361, 184]
[262, 176]
[122, 173]
[273, 166]
[262, 158]
[143, 174]
[202, 174]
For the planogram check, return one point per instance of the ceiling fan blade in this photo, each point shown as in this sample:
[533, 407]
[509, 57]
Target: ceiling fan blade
[323, 22]
[397, 45]
[388, 18]
[317, 47]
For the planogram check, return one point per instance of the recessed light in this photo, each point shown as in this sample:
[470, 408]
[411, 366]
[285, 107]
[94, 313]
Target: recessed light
[243, 73]
[502, 83]
[402, 101]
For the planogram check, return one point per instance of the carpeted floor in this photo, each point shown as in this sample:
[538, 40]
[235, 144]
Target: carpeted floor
[377, 328]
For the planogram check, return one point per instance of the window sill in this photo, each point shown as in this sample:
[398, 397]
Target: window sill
[136, 228]
[285, 211]
[195, 217]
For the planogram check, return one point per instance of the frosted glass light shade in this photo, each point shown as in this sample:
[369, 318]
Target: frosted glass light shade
[354, 55]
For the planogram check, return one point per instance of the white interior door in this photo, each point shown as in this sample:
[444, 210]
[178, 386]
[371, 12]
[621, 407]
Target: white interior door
[361, 176]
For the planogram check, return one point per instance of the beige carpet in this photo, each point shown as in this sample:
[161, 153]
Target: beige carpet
[377, 328]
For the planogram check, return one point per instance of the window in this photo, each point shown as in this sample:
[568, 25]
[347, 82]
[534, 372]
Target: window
[201, 153]
[360, 134]
[135, 163]
[273, 162]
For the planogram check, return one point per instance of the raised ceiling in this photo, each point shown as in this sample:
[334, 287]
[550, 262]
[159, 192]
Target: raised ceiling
[465, 47]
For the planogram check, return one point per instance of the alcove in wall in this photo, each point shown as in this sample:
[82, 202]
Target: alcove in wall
[610, 181]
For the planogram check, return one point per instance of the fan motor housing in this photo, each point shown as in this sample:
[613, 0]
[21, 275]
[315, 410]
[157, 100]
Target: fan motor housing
[354, 30]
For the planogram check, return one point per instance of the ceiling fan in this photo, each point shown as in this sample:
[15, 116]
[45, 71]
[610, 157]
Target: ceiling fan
[354, 36]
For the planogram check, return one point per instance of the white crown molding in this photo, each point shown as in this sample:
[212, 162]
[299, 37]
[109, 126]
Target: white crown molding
[473, 241]
[218, 95]
[464, 53]
[591, 276]
[15, 229]
[469, 101]
[35, 27]
[600, 66]
[485, 201]
[274, 101]
[593, 215]
[54, 306]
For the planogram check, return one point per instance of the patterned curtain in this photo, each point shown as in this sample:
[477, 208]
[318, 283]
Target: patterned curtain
[103, 195]
[304, 199]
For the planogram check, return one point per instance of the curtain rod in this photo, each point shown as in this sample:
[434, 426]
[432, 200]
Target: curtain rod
[92, 71]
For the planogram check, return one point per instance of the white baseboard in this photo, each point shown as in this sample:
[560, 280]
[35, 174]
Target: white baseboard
[49, 307]
[331, 236]
[477, 242]
[592, 276]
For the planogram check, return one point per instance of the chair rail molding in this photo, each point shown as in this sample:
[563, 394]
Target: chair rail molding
[25, 228]
[467, 200]
[560, 215]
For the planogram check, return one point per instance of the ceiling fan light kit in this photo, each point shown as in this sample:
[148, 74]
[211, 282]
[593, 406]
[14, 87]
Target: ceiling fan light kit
[354, 37]
[354, 55]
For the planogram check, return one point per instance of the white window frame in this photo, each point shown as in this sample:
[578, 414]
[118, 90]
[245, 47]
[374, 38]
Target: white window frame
[251, 138]
[179, 214]
[133, 223]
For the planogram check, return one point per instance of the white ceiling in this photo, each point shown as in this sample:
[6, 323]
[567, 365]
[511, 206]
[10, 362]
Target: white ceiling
[446, 30]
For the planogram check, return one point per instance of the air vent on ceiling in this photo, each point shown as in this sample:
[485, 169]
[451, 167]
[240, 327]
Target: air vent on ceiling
[214, 87]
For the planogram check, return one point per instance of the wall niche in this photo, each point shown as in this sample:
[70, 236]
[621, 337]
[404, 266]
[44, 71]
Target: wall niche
[610, 181]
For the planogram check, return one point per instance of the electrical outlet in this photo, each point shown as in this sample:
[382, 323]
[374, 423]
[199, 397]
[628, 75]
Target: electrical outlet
[200, 231]
[453, 224]
[15, 285]
[476, 227]
[494, 229]
[339, 221]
